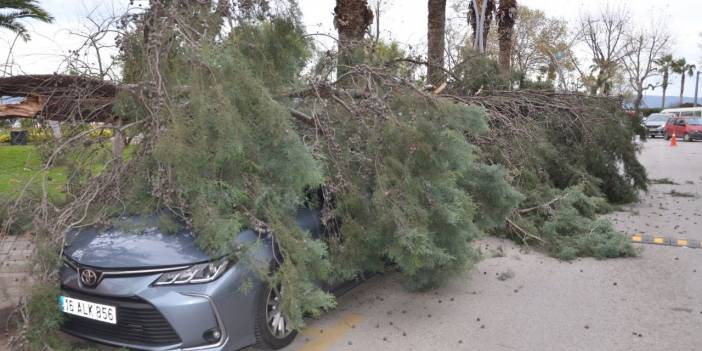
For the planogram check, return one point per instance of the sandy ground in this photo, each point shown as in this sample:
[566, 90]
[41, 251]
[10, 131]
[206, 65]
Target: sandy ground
[651, 302]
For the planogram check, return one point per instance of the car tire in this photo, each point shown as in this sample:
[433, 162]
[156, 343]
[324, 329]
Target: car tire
[687, 138]
[267, 338]
[667, 136]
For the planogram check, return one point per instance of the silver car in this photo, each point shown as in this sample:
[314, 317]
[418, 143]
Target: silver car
[655, 124]
[134, 286]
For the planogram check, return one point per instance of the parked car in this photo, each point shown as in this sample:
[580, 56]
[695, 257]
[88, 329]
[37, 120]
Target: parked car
[689, 128]
[655, 124]
[135, 286]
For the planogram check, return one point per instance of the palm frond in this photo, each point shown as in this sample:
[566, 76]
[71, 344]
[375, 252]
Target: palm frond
[29, 9]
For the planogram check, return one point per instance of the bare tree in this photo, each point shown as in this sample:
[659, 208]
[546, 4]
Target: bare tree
[351, 19]
[94, 56]
[643, 48]
[541, 45]
[605, 36]
[506, 15]
[436, 19]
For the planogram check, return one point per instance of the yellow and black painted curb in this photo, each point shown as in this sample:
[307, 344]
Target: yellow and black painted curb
[666, 241]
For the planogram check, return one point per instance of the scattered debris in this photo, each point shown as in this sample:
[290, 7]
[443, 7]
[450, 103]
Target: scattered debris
[509, 274]
[676, 193]
[666, 181]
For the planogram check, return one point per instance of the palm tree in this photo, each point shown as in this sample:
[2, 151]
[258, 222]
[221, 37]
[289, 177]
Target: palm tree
[664, 64]
[351, 19]
[12, 11]
[683, 68]
[506, 16]
[436, 19]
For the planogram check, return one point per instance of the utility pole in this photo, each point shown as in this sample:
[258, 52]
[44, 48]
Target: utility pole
[697, 86]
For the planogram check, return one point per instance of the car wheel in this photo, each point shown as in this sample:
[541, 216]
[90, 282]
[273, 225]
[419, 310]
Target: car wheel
[687, 138]
[667, 136]
[272, 327]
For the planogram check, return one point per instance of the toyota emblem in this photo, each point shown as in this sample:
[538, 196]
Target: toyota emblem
[89, 278]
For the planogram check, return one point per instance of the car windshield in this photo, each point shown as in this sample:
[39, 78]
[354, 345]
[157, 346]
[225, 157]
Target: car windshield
[695, 121]
[658, 118]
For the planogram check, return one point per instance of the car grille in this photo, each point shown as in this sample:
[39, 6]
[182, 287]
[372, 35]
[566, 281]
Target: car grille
[138, 323]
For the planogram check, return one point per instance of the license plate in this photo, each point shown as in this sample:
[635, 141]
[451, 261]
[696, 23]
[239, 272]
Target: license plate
[90, 310]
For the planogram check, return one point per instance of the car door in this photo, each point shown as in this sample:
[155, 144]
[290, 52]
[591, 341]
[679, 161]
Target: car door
[670, 126]
[679, 127]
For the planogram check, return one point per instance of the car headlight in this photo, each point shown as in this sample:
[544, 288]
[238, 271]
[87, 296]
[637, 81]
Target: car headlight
[200, 273]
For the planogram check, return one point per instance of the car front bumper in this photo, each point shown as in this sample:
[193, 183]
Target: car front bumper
[655, 131]
[166, 317]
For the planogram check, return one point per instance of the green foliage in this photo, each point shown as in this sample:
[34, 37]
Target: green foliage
[476, 72]
[390, 54]
[404, 182]
[234, 157]
[416, 167]
[277, 51]
[575, 231]
[44, 316]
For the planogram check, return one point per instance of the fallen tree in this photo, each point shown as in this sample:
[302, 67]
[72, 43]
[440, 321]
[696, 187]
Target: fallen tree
[404, 174]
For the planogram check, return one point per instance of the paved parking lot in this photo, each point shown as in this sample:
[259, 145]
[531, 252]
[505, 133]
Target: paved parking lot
[518, 300]
[15, 255]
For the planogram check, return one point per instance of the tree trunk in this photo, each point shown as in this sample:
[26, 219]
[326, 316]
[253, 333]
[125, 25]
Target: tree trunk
[682, 87]
[665, 87]
[435, 39]
[480, 14]
[637, 103]
[506, 16]
[351, 19]
[117, 142]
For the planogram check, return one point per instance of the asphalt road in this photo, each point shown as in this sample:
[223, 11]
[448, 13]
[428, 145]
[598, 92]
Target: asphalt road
[652, 302]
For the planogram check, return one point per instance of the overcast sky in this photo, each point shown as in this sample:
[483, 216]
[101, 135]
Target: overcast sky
[401, 20]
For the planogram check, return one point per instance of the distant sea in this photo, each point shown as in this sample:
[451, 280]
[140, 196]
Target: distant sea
[670, 101]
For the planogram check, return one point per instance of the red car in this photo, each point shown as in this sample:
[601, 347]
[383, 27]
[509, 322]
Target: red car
[689, 128]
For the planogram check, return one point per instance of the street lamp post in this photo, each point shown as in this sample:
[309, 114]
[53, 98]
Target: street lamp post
[697, 86]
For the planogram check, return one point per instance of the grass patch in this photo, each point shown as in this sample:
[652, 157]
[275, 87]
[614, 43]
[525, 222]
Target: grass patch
[19, 163]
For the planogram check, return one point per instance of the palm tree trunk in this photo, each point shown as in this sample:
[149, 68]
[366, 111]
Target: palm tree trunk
[665, 87]
[682, 87]
[436, 41]
[351, 19]
[506, 15]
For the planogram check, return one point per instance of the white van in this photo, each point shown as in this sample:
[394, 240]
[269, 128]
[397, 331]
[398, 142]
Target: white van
[684, 111]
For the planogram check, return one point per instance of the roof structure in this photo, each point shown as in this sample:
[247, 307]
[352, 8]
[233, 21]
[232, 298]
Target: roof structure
[57, 97]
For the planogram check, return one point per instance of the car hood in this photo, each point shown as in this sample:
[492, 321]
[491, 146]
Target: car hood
[134, 243]
[654, 124]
